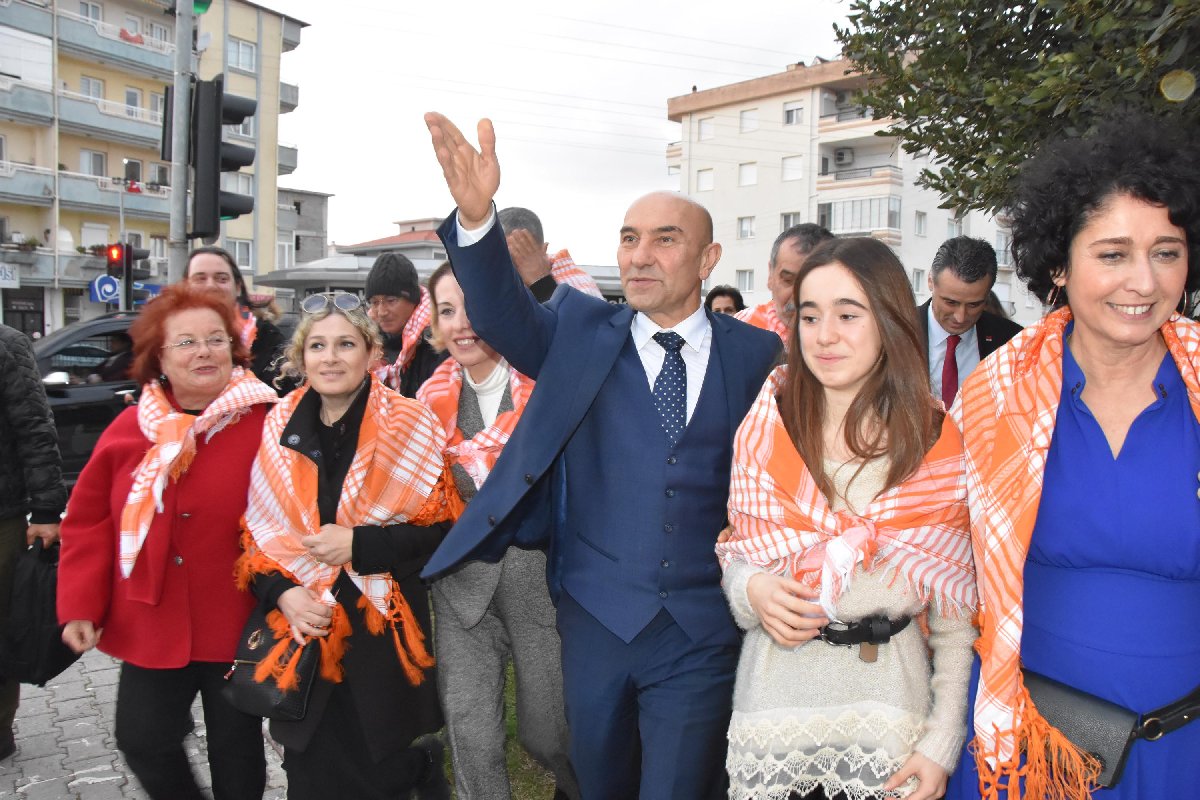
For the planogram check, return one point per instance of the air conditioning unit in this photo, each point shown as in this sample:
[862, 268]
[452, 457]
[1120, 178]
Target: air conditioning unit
[843, 156]
[842, 98]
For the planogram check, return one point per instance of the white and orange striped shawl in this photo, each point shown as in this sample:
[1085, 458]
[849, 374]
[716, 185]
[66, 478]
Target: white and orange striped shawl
[410, 337]
[1007, 412]
[917, 531]
[396, 476]
[564, 270]
[478, 454]
[173, 435]
[766, 317]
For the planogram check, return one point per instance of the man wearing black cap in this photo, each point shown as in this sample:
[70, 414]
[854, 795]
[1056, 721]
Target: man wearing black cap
[393, 295]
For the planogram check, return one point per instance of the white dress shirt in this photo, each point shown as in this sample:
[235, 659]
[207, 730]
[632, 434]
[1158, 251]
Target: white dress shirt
[966, 354]
[695, 330]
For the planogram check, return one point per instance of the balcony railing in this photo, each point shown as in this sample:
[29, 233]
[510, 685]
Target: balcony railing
[859, 173]
[116, 32]
[848, 114]
[117, 109]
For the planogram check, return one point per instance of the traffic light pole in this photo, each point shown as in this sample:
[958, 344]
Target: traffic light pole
[177, 249]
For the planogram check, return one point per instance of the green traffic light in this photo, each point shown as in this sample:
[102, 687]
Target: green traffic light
[200, 6]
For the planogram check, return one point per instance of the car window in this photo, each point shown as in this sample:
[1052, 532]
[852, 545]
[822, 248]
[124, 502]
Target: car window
[102, 358]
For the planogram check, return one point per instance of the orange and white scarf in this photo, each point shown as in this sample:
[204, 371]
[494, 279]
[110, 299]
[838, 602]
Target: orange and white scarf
[767, 318]
[1007, 412]
[396, 476]
[918, 530]
[410, 337]
[249, 329]
[172, 434]
[478, 454]
[564, 270]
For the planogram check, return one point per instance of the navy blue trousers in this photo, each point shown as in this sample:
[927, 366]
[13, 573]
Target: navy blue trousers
[649, 718]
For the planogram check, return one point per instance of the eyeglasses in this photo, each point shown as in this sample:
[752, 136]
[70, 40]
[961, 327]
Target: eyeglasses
[342, 301]
[192, 345]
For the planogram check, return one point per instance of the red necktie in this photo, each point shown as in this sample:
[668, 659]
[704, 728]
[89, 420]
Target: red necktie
[950, 370]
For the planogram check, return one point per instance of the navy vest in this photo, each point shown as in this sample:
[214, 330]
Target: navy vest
[642, 539]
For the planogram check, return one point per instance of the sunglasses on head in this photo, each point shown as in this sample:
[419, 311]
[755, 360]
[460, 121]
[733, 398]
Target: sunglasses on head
[342, 301]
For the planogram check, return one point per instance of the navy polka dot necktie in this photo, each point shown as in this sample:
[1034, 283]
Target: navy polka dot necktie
[670, 387]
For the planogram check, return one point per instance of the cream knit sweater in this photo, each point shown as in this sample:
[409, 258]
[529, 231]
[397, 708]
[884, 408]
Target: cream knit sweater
[818, 715]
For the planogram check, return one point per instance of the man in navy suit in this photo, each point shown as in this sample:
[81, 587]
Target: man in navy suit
[623, 453]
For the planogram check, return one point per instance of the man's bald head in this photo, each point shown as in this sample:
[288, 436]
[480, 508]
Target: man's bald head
[700, 221]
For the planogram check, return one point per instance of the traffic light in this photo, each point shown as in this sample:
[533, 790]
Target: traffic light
[212, 108]
[120, 258]
[115, 256]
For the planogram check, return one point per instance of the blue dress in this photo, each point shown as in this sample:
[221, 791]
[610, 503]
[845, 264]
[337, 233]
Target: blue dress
[1112, 580]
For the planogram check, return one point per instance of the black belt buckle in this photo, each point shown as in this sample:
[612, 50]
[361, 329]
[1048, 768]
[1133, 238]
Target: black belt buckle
[879, 629]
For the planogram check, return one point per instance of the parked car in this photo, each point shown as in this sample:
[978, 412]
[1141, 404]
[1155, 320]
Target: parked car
[84, 403]
[85, 396]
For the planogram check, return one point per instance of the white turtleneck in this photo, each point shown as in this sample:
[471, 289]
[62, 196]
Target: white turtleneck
[489, 391]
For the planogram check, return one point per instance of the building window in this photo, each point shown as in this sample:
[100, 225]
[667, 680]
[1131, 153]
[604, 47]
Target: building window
[704, 180]
[285, 256]
[133, 24]
[133, 169]
[158, 104]
[90, 11]
[789, 220]
[133, 239]
[158, 32]
[745, 228]
[747, 174]
[238, 182]
[1003, 248]
[748, 120]
[246, 128]
[704, 129]
[133, 101]
[954, 227]
[919, 281]
[860, 216]
[158, 247]
[673, 169]
[920, 220]
[91, 87]
[160, 174]
[93, 163]
[745, 280]
[3, 148]
[793, 113]
[242, 251]
[791, 168]
[241, 54]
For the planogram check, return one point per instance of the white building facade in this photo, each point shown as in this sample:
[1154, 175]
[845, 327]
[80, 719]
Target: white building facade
[768, 153]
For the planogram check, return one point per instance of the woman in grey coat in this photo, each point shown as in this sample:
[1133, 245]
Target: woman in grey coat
[486, 613]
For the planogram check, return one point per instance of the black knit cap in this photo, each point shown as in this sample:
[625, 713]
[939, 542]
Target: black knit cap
[393, 274]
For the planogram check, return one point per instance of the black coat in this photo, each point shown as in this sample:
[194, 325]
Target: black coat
[30, 464]
[268, 346]
[992, 332]
[391, 712]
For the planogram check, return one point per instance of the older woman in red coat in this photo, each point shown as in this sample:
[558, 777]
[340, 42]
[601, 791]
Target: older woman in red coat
[150, 540]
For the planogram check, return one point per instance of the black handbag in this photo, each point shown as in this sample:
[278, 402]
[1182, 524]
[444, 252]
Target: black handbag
[1105, 730]
[266, 699]
[31, 645]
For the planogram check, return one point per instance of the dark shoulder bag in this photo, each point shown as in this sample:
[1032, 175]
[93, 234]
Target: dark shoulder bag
[266, 699]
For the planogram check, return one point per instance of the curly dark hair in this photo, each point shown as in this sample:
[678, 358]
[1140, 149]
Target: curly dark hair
[1071, 179]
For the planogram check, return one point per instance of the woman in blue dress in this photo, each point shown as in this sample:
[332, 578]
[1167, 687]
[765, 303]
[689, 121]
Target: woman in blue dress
[1083, 452]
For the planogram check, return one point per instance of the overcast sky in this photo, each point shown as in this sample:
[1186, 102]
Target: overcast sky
[578, 94]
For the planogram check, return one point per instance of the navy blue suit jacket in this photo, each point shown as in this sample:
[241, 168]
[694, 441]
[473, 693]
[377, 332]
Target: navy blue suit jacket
[569, 346]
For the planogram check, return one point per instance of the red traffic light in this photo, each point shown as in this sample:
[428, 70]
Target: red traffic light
[116, 258]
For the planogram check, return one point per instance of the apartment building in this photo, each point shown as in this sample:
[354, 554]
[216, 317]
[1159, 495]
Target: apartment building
[81, 104]
[771, 152]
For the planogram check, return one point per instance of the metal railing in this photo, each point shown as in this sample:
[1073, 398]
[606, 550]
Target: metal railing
[117, 33]
[116, 109]
[859, 173]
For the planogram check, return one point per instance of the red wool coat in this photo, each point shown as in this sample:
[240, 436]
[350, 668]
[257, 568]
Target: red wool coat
[180, 603]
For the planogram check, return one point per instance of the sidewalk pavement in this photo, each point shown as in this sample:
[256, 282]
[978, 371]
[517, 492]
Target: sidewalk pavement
[66, 748]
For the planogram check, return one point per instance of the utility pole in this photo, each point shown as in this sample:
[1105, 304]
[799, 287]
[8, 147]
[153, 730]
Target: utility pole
[177, 245]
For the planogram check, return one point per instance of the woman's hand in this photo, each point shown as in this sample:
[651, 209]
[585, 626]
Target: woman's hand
[304, 611]
[783, 608]
[81, 635]
[931, 778]
[332, 545]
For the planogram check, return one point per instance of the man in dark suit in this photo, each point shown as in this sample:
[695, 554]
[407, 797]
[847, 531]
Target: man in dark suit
[954, 319]
[624, 453]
